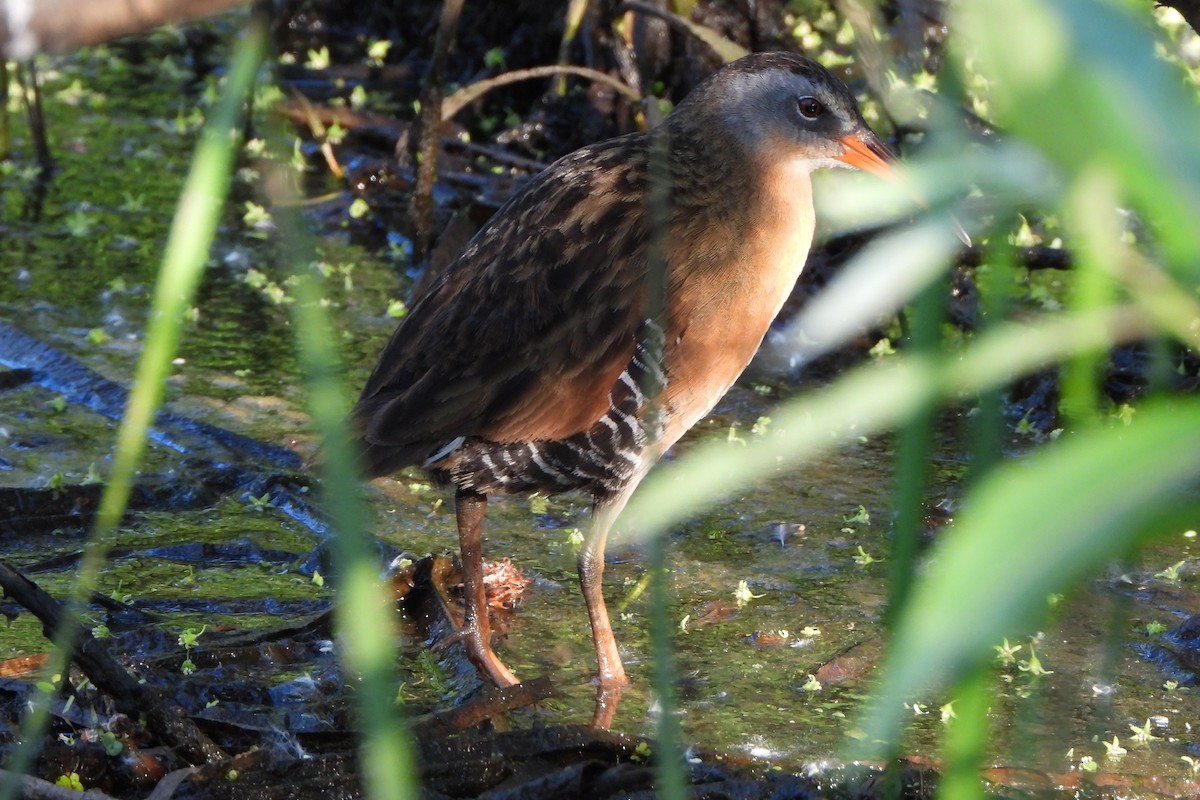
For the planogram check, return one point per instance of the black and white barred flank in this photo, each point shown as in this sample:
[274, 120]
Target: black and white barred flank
[603, 459]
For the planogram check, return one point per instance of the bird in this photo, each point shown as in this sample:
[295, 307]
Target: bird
[604, 309]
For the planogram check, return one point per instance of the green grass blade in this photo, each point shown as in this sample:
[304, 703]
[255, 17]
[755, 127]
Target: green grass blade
[365, 617]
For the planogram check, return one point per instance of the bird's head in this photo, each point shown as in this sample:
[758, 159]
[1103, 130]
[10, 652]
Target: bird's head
[782, 105]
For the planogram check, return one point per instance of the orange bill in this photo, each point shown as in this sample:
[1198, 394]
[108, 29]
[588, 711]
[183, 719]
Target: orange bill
[865, 151]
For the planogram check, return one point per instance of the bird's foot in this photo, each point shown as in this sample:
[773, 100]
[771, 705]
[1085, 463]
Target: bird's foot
[480, 652]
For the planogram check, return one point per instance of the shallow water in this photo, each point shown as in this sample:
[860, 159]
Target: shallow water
[82, 258]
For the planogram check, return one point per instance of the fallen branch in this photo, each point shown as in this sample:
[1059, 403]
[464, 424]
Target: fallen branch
[167, 721]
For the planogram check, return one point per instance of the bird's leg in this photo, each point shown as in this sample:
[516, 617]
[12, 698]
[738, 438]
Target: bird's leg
[611, 673]
[477, 630]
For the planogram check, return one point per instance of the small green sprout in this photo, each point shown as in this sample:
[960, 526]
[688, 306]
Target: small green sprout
[760, 426]
[93, 475]
[1113, 749]
[641, 753]
[539, 504]
[318, 59]
[98, 336]
[948, 712]
[70, 780]
[1154, 628]
[859, 517]
[1007, 653]
[101, 631]
[734, 437]
[396, 309]
[335, 133]
[809, 631]
[1171, 573]
[1193, 763]
[1033, 666]
[80, 223]
[1142, 735]
[259, 504]
[359, 208]
[50, 686]
[494, 58]
[113, 746]
[256, 216]
[358, 96]
[318, 579]
[742, 595]
[863, 558]
[812, 684]
[1088, 764]
[188, 640]
[882, 348]
[190, 637]
[57, 404]
[132, 203]
[377, 51]
[683, 623]
[1171, 686]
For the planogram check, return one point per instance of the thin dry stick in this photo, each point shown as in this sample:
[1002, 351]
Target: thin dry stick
[430, 128]
[469, 94]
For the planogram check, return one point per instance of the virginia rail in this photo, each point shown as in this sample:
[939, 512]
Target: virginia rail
[539, 360]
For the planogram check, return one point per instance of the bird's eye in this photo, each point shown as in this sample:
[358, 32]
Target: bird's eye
[810, 108]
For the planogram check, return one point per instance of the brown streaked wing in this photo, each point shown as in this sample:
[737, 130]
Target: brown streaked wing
[524, 334]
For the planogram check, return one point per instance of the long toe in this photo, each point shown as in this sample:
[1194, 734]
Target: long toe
[486, 661]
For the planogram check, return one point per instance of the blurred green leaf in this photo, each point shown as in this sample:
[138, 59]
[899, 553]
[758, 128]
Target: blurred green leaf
[1039, 525]
[1085, 86]
[866, 400]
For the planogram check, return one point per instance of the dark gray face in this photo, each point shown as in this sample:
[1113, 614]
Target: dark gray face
[776, 102]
